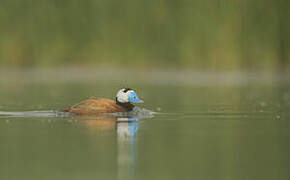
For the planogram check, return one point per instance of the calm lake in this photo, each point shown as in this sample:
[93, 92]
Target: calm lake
[206, 126]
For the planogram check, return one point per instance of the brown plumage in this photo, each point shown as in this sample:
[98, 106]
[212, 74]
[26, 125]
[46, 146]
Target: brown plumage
[98, 105]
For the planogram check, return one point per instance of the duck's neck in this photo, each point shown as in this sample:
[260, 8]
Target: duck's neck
[128, 106]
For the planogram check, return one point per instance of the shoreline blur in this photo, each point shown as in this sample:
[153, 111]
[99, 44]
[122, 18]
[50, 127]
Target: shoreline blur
[117, 75]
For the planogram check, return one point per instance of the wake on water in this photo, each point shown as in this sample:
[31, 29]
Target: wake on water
[34, 114]
[136, 113]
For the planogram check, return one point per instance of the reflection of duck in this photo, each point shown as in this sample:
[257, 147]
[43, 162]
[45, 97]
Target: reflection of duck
[94, 105]
[126, 127]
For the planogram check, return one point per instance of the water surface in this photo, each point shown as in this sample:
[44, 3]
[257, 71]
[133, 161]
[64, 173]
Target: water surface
[229, 129]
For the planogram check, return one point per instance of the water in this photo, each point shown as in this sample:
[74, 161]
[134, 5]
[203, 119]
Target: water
[229, 129]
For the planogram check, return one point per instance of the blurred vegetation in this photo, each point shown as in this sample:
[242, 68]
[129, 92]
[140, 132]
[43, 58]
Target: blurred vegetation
[214, 35]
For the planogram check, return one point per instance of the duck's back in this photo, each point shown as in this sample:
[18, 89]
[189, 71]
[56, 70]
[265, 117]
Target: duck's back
[95, 106]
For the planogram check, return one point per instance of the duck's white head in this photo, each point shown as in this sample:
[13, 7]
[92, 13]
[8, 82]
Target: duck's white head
[127, 95]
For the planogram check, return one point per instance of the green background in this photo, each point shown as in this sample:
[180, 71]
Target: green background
[207, 35]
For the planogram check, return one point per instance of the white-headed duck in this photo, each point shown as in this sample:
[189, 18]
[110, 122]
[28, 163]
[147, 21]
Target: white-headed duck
[123, 103]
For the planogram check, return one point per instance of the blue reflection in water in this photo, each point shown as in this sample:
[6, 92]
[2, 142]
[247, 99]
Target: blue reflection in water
[127, 129]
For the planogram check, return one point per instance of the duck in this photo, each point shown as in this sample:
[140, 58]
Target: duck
[122, 103]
